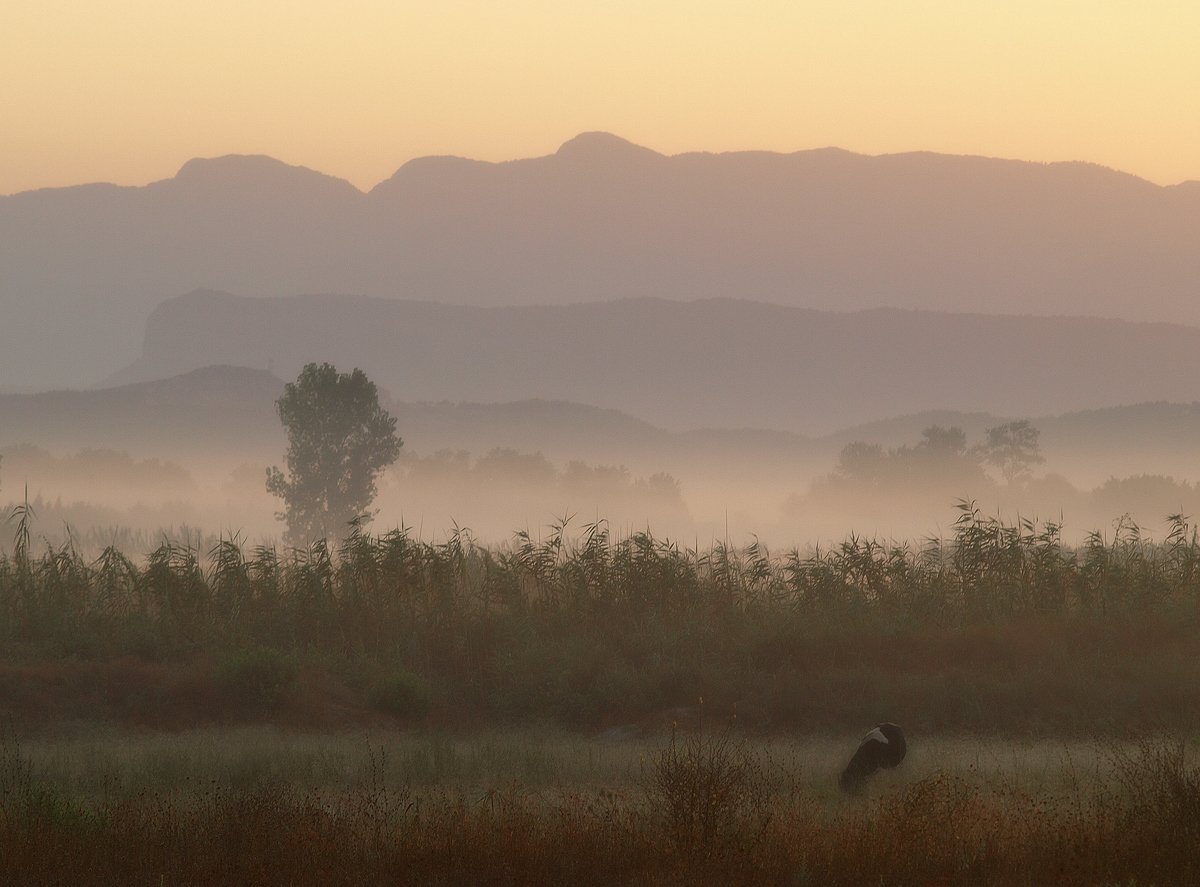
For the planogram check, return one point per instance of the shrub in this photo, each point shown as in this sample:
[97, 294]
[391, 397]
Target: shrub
[1160, 782]
[401, 693]
[260, 677]
[709, 789]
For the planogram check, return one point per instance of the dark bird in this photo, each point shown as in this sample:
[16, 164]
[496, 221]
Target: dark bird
[882, 747]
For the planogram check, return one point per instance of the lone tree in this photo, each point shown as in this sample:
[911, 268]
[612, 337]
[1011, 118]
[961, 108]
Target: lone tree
[1013, 450]
[339, 440]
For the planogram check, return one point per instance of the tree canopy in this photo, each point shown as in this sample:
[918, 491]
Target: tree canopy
[1013, 450]
[941, 459]
[339, 440]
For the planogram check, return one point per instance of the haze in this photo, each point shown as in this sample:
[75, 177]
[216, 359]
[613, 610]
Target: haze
[534, 442]
[684, 342]
[126, 91]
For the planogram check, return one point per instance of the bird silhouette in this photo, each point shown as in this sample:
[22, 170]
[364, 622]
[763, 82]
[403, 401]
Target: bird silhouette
[882, 747]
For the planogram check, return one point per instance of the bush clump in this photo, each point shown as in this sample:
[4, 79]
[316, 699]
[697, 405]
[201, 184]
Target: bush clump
[258, 677]
[401, 693]
[708, 789]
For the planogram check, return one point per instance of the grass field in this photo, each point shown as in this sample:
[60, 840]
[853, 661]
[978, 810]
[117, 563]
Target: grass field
[96, 764]
[711, 805]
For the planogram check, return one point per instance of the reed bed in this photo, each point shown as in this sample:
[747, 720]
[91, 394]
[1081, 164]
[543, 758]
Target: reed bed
[997, 627]
[698, 704]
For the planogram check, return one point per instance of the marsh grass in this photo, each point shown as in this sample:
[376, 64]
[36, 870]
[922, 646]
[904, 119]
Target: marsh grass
[349, 809]
[374, 590]
[550, 689]
[999, 627]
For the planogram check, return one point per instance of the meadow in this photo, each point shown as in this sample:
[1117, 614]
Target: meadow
[579, 707]
[709, 805]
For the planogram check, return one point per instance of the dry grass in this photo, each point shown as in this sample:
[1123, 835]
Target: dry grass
[263, 807]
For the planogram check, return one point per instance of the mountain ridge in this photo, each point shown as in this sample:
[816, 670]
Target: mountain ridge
[599, 219]
[718, 362]
[594, 144]
[603, 145]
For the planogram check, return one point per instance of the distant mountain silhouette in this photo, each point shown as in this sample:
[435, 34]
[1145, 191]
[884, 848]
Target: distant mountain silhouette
[714, 363]
[192, 414]
[227, 414]
[600, 219]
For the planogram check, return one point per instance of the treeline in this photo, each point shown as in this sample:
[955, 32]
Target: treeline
[874, 484]
[105, 473]
[503, 484]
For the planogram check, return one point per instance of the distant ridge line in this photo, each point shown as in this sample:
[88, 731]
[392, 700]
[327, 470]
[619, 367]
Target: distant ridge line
[721, 363]
[596, 145]
[598, 220]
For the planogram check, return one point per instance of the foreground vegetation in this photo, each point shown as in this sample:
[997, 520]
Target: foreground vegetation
[998, 628]
[703, 806]
[551, 692]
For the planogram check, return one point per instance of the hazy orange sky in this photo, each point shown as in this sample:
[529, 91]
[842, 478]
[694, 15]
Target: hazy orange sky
[127, 90]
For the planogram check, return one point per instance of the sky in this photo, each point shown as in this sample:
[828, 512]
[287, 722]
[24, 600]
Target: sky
[127, 90]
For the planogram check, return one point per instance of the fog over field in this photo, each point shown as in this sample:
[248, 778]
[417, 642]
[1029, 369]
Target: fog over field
[193, 450]
[692, 344]
[683, 342]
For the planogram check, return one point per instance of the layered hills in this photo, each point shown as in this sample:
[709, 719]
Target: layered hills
[600, 219]
[718, 363]
[226, 414]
